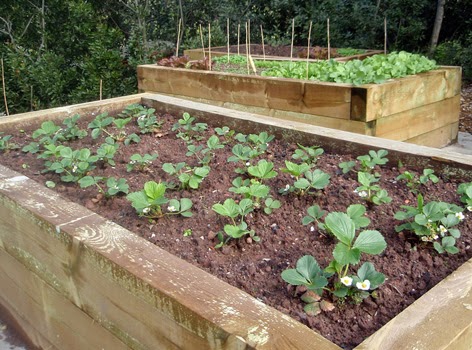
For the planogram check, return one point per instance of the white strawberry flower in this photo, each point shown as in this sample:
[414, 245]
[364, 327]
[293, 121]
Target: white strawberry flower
[364, 285]
[460, 216]
[347, 281]
[171, 208]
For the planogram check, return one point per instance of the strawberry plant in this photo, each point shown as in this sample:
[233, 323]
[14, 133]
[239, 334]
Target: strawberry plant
[369, 191]
[190, 178]
[308, 155]
[72, 164]
[140, 162]
[187, 130]
[6, 144]
[106, 186]
[413, 181]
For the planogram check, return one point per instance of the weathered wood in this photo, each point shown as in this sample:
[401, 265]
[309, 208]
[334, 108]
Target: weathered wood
[410, 92]
[441, 136]
[50, 320]
[414, 122]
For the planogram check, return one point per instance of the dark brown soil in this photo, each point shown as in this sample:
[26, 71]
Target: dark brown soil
[411, 269]
[282, 51]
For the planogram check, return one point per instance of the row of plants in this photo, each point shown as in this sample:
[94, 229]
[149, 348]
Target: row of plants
[374, 69]
[434, 223]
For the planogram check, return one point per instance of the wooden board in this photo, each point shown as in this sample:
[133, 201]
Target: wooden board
[414, 122]
[441, 136]
[410, 92]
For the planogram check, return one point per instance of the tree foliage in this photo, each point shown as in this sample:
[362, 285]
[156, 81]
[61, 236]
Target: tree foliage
[55, 52]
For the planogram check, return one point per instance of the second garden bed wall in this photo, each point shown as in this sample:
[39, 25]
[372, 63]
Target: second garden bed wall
[422, 109]
[74, 280]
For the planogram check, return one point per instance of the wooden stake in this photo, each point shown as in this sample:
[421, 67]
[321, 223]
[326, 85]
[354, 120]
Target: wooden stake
[239, 30]
[101, 89]
[3, 88]
[227, 34]
[308, 49]
[31, 98]
[203, 44]
[209, 47]
[247, 50]
[262, 39]
[178, 38]
[385, 35]
[249, 35]
[293, 37]
[329, 44]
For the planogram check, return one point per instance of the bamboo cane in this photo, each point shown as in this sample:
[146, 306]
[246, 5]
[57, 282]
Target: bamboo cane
[249, 35]
[329, 44]
[385, 35]
[247, 50]
[4, 91]
[293, 37]
[31, 98]
[227, 34]
[101, 89]
[239, 30]
[308, 49]
[262, 39]
[209, 46]
[178, 38]
[203, 44]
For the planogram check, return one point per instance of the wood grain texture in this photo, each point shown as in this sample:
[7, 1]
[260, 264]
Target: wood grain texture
[414, 122]
[440, 137]
[410, 92]
[49, 320]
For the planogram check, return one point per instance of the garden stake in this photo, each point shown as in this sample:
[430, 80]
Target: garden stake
[101, 89]
[31, 97]
[262, 38]
[385, 35]
[3, 88]
[203, 45]
[178, 38]
[329, 45]
[293, 34]
[249, 35]
[308, 49]
[227, 34]
[239, 30]
[209, 46]
[247, 51]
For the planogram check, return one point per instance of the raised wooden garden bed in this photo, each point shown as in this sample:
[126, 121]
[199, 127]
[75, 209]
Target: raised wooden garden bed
[73, 280]
[421, 109]
[218, 51]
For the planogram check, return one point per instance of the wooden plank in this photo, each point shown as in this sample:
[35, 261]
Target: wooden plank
[60, 113]
[330, 100]
[409, 124]
[134, 289]
[440, 137]
[52, 321]
[410, 92]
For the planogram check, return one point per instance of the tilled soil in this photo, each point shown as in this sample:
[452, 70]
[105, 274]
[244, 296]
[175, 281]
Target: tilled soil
[411, 268]
[465, 121]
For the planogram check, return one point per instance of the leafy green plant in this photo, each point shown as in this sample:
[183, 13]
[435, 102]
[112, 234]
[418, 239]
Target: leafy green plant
[465, 191]
[72, 164]
[106, 186]
[369, 191]
[48, 133]
[356, 212]
[226, 132]
[257, 192]
[6, 144]
[106, 152]
[264, 170]
[308, 155]
[72, 130]
[432, 222]
[149, 201]
[310, 182]
[103, 121]
[347, 252]
[243, 154]
[414, 182]
[140, 162]
[146, 119]
[366, 162]
[189, 177]
[236, 212]
[204, 155]
[187, 129]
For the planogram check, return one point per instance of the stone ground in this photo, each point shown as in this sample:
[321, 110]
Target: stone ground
[10, 340]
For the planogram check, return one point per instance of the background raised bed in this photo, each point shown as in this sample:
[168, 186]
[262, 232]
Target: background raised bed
[421, 109]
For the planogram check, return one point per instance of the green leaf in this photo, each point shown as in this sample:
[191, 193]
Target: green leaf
[370, 242]
[294, 278]
[87, 181]
[345, 255]
[228, 208]
[139, 200]
[367, 271]
[185, 204]
[154, 190]
[312, 309]
[341, 226]
[308, 267]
